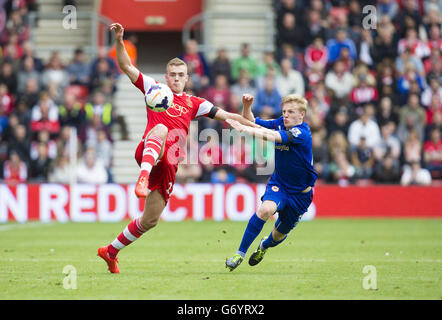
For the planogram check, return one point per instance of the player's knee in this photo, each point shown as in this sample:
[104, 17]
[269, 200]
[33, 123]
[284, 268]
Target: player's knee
[148, 224]
[160, 130]
[265, 211]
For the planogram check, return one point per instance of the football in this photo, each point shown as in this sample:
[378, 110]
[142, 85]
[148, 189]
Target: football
[159, 97]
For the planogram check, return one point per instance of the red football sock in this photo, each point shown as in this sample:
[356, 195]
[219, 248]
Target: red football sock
[151, 153]
[132, 232]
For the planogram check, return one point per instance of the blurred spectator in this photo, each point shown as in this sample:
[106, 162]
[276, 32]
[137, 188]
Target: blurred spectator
[78, 70]
[221, 65]
[416, 46]
[45, 116]
[71, 112]
[289, 80]
[362, 159]
[341, 170]
[389, 145]
[101, 73]
[196, 59]
[414, 174]
[363, 93]
[91, 169]
[384, 45]
[221, 175]
[31, 93]
[433, 153]
[102, 55]
[434, 107]
[44, 138]
[268, 62]
[339, 81]
[339, 121]
[387, 7]
[434, 88]
[19, 142]
[55, 72]
[387, 171]
[341, 41]
[387, 112]
[365, 47]
[268, 96]
[39, 167]
[406, 60]
[242, 86]
[315, 28]
[364, 127]
[320, 156]
[288, 6]
[245, 61]
[28, 52]
[14, 169]
[188, 173]
[9, 77]
[287, 51]
[27, 72]
[6, 99]
[407, 81]
[290, 32]
[412, 148]
[337, 143]
[60, 171]
[101, 108]
[103, 147]
[316, 55]
[408, 17]
[219, 93]
[412, 115]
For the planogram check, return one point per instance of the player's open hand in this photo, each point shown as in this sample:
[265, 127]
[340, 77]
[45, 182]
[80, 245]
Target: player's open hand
[118, 30]
[236, 125]
[247, 100]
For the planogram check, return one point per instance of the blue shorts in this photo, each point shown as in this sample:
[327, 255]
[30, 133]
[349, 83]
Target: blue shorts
[290, 207]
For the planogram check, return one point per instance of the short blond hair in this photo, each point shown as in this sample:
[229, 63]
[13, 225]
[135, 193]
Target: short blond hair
[299, 100]
[175, 62]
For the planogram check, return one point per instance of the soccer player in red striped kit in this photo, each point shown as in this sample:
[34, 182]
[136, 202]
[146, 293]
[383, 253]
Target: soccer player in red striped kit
[159, 149]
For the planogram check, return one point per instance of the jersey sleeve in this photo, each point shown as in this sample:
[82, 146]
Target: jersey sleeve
[269, 124]
[144, 83]
[205, 108]
[295, 135]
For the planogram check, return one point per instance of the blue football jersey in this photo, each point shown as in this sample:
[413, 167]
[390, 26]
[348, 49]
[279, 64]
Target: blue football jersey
[293, 157]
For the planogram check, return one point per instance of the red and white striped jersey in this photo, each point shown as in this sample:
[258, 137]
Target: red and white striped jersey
[184, 109]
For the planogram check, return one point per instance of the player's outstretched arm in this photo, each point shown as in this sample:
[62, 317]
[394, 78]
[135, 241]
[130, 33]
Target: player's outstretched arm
[122, 57]
[247, 113]
[223, 115]
[258, 132]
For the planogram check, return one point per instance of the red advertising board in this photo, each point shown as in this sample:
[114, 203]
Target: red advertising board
[115, 202]
[151, 15]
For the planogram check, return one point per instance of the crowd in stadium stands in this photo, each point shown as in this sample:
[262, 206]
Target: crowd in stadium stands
[374, 93]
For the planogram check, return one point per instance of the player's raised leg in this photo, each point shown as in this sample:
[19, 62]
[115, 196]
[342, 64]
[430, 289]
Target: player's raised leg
[253, 229]
[153, 148]
[153, 208]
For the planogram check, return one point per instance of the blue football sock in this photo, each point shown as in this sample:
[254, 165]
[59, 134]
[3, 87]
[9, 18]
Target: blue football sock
[253, 229]
[270, 242]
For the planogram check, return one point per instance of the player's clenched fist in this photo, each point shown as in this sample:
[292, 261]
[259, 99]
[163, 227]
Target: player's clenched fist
[118, 30]
[247, 100]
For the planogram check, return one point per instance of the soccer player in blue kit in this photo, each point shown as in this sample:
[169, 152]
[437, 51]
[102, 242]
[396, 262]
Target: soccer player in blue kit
[290, 188]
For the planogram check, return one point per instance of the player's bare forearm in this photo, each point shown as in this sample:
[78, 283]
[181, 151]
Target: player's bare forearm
[123, 58]
[222, 115]
[258, 132]
[247, 113]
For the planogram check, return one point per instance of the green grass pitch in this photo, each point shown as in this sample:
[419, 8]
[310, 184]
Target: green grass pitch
[321, 259]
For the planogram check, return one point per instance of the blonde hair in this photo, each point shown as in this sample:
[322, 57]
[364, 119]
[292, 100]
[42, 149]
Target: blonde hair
[299, 100]
[175, 62]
